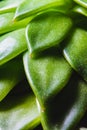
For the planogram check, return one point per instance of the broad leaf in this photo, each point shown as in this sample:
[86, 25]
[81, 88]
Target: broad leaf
[19, 112]
[10, 74]
[47, 30]
[66, 109]
[12, 44]
[30, 7]
[47, 74]
[76, 51]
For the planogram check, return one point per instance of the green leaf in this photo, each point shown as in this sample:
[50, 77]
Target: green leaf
[76, 51]
[12, 44]
[66, 109]
[79, 22]
[7, 24]
[82, 2]
[81, 10]
[29, 7]
[47, 74]
[47, 30]
[19, 112]
[10, 74]
[9, 5]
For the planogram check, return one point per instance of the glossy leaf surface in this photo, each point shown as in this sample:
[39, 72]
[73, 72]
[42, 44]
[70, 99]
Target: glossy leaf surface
[9, 5]
[12, 44]
[47, 30]
[82, 2]
[10, 74]
[29, 7]
[47, 74]
[67, 108]
[81, 10]
[76, 51]
[19, 112]
[7, 24]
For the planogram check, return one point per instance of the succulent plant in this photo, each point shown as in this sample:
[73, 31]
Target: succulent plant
[43, 65]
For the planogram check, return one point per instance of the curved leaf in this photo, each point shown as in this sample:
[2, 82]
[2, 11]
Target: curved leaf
[47, 30]
[29, 7]
[9, 5]
[7, 24]
[47, 75]
[67, 108]
[12, 44]
[82, 2]
[10, 74]
[76, 51]
[81, 10]
[19, 112]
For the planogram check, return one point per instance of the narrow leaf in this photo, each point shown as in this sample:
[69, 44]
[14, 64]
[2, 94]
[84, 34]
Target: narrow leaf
[9, 5]
[76, 51]
[81, 10]
[7, 24]
[10, 74]
[29, 7]
[82, 2]
[12, 44]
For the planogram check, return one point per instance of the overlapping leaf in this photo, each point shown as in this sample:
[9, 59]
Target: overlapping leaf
[82, 2]
[67, 108]
[12, 44]
[47, 75]
[9, 5]
[81, 10]
[47, 30]
[7, 24]
[19, 112]
[76, 51]
[10, 74]
[30, 7]
[61, 101]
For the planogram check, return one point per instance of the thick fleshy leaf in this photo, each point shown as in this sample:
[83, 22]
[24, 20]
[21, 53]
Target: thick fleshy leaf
[9, 5]
[7, 24]
[47, 74]
[67, 108]
[12, 44]
[19, 112]
[82, 2]
[47, 30]
[81, 10]
[76, 51]
[29, 7]
[10, 74]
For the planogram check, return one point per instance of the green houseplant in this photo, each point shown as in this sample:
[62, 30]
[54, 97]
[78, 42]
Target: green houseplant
[43, 64]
